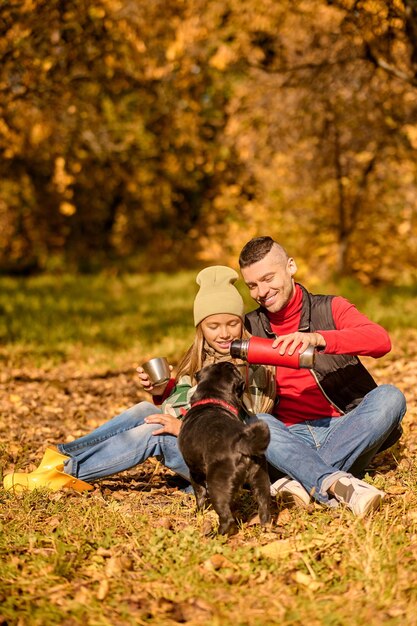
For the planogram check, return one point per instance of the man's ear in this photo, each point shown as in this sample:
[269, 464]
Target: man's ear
[292, 266]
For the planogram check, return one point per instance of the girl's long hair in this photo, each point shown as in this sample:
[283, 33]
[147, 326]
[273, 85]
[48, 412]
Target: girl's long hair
[192, 361]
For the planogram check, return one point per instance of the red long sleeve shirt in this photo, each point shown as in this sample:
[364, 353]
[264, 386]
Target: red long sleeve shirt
[300, 398]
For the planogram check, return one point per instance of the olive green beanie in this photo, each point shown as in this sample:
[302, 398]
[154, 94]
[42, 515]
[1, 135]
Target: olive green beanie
[217, 293]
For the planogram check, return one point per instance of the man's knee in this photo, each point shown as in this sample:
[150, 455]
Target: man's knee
[394, 401]
[395, 407]
[394, 436]
[273, 422]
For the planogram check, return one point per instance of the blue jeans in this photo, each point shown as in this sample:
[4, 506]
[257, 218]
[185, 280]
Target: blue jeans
[314, 450]
[121, 443]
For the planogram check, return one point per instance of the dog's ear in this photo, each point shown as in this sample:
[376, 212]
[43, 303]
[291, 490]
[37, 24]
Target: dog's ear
[203, 373]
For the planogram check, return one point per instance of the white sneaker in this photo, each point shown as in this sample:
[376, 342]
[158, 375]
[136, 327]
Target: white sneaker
[290, 491]
[360, 497]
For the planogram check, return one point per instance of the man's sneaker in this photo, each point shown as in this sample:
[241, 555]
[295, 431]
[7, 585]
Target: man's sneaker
[290, 491]
[360, 497]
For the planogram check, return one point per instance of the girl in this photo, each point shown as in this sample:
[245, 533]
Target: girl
[146, 430]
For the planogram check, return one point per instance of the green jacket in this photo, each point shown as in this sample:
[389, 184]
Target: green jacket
[178, 402]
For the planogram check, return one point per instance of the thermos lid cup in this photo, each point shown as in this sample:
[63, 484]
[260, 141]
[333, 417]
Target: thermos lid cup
[158, 370]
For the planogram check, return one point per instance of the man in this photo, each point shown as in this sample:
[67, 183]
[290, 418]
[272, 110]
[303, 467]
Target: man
[328, 422]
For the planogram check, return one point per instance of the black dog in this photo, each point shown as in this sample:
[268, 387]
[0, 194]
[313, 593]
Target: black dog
[221, 451]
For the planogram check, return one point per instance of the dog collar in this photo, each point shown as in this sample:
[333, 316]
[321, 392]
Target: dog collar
[226, 405]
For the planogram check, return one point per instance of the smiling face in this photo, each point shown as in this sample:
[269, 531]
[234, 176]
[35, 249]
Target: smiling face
[270, 280]
[220, 330]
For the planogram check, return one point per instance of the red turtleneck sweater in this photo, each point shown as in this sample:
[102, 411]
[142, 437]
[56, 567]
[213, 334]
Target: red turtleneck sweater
[300, 398]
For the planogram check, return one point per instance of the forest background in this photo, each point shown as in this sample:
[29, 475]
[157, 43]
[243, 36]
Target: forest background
[152, 135]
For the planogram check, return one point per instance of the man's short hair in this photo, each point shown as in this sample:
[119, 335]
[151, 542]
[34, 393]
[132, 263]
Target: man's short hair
[256, 249]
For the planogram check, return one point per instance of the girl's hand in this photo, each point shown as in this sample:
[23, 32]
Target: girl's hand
[147, 385]
[169, 425]
[288, 344]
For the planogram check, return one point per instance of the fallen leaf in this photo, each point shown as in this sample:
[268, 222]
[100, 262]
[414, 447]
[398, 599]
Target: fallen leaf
[53, 409]
[15, 399]
[207, 528]
[284, 517]
[104, 552]
[193, 609]
[103, 589]
[217, 561]
[306, 580]
[164, 522]
[82, 595]
[53, 522]
[254, 520]
[395, 489]
[118, 564]
[277, 549]
[395, 612]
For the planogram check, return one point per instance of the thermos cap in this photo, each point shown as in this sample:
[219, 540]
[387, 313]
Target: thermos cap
[239, 348]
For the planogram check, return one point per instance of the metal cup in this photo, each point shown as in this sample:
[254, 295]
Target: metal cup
[158, 371]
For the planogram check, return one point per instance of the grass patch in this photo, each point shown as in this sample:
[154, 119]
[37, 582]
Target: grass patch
[103, 321]
[105, 561]
[98, 321]
[133, 551]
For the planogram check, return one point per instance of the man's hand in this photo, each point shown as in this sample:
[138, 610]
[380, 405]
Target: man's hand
[288, 344]
[169, 425]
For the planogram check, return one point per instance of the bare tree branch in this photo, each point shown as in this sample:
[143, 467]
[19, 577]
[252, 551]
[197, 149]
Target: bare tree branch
[391, 69]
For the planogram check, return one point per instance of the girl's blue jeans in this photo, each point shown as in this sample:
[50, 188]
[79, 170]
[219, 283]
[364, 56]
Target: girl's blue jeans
[314, 450]
[121, 443]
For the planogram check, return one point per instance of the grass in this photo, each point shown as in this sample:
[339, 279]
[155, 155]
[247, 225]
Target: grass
[48, 319]
[133, 551]
[105, 320]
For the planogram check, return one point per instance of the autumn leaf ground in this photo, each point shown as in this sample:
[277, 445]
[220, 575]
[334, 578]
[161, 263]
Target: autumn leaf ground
[133, 551]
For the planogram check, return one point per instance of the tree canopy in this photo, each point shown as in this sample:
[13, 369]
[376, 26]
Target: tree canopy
[169, 132]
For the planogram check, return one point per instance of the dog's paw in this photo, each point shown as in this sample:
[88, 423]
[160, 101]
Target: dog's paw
[228, 528]
[207, 528]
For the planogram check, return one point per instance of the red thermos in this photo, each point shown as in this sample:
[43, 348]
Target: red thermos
[259, 351]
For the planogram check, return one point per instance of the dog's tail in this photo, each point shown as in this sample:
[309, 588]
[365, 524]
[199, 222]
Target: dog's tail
[254, 439]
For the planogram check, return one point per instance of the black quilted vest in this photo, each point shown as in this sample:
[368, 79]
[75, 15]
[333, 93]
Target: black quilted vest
[341, 377]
